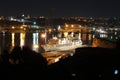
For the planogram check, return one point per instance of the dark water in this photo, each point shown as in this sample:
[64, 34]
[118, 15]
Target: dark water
[9, 40]
[32, 40]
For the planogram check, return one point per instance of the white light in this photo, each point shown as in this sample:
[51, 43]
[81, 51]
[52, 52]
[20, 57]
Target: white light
[11, 19]
[35, 42]
[35, 38]
[55, 38]
[116, 29]
[22, 20]
[93, 36]
[116, 72]
[116, 37]
[73, 74]
[71, 54]
[115, 33]
[59, 27]
[111, 37]
[93, 28]
[57, 59]
[34, 23]
[23, 15]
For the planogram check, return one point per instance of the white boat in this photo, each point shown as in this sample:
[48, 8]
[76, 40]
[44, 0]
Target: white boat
[63, 44]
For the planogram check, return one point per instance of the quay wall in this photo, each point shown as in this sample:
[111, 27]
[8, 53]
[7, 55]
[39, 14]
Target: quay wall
[103, 43]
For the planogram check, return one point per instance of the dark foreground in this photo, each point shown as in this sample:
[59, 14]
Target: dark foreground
[87, 64]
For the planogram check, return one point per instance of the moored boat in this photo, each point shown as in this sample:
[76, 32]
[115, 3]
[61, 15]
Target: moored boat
[62, 44]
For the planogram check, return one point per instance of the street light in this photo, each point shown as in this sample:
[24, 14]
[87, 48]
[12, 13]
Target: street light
[13, 27]
[66, 25]
[72, 26]
[44, 36]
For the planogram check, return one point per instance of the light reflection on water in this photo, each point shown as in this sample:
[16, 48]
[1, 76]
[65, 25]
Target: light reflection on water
[32, 40]
[35, 42]
[9, 40]
[13, 39]
[22, 39]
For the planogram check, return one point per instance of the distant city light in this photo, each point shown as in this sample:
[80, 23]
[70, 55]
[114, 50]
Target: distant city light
[57, 59]
[55, 38]
[22, 39]
[13, 39]
[66, 25]
[115, 33]
[35, 42]
[54, 29]
[50, 30]
[72, 34]
[72, 25]
[43, 35]
[71, 54]
[93, 36]
[59, 27]
[101, 30]
[23, 15]
[24, 28]
[21, 27]
[103, 36]
[34, 23]
[116, 37]
[73, 74]
[79, 25]
[94, 28]
[35, 46]
[116, 72]
[41, 17]
[111, 37]
[13, 27]
[116, 29]
[22, 20]
[35, 38]
[11, 19]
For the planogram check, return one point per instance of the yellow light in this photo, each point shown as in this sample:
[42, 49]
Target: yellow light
[79, 25]
[72, 34]
[21, 27]
[50, 30]
[24, 25]
[24, 28]
[72, 25]
[35, 46]
[22, 39]
[13, 39]
[66, 25]
[43, 35]
[57, 59]
[65, 34]
[13, 27]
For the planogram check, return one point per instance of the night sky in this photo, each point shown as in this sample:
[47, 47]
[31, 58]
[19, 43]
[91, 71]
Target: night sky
[61, 8]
